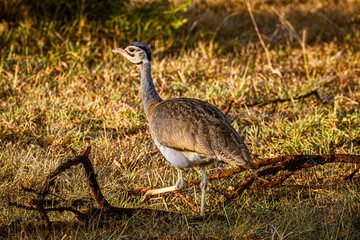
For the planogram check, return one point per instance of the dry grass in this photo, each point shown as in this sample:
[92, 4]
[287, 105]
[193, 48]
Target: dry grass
[57, 99]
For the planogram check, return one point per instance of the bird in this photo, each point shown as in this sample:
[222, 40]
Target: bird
[188, 132]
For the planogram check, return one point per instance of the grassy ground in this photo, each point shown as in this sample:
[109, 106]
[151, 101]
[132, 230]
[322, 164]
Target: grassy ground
[62, 90]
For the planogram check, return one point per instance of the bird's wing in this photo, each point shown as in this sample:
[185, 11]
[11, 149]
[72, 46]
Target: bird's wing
[192, 125]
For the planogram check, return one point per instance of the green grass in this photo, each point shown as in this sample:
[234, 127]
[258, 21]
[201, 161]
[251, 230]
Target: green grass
[62, 90]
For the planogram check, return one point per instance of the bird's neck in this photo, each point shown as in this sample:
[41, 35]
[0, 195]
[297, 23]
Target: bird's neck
[148, 92]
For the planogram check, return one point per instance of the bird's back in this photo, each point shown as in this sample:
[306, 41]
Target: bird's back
[198, 130]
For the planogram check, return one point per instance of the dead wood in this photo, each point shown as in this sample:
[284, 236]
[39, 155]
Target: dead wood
[177, 193]
[228, 107]
[281, 100]
[270, 173]
[89, 173]
[104, 209]
[269, 168]
[290, 164]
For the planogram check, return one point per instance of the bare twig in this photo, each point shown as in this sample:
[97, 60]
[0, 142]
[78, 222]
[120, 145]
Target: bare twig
[276, 183]
[91, 176]
[187, 201]
[279, 100]
[228, 107]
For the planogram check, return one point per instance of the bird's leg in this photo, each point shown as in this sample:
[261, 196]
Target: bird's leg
[203, 185]
[180, 184]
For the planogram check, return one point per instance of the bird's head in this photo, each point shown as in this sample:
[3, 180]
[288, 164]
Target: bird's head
[136, 52]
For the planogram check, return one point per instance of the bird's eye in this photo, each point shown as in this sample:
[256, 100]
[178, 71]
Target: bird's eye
[131, 50]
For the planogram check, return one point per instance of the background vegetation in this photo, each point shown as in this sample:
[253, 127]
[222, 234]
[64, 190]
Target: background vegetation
[62, 90]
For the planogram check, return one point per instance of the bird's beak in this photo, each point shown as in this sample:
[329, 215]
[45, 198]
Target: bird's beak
[119, 50]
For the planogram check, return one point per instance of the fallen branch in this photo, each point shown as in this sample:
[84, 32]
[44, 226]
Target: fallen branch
[272, 166]
[291, 164]
[89, 173]
[280, 100]
[104, 209]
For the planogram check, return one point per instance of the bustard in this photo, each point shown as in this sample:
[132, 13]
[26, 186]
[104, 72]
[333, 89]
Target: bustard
[188, 132]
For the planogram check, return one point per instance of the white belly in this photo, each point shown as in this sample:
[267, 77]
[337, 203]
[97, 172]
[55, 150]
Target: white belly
[182, 159]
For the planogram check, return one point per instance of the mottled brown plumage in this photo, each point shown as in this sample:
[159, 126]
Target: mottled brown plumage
[187, 131]
[191, 125]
